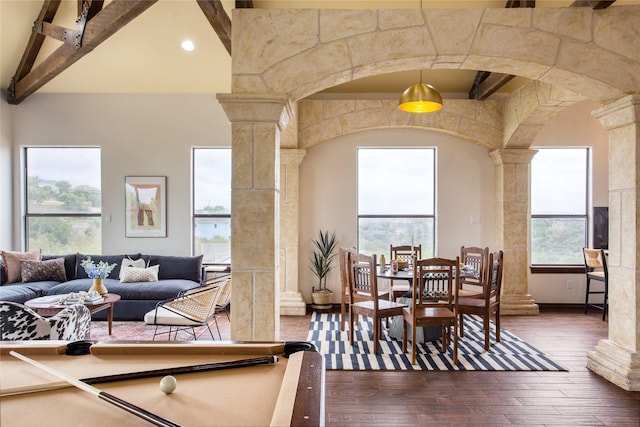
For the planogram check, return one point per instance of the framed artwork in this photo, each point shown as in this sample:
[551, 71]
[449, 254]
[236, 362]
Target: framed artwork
[146, 206]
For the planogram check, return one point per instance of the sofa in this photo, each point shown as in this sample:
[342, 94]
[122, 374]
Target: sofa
[174, 274]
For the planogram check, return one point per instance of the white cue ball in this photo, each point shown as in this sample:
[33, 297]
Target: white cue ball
[168, 384]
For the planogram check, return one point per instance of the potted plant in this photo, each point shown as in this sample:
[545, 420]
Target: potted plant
[321, 260]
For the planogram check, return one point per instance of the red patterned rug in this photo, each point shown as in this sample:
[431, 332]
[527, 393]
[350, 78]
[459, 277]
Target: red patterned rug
[141, 331]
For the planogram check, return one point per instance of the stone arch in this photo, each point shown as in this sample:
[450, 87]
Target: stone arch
[331, 47]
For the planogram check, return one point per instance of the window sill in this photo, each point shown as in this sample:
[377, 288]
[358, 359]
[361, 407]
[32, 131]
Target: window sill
[557, 269]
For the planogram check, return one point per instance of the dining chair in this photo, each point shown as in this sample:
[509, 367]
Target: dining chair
[434, 302]
[407, 253]
[188, 310]
[345, 300]
[476, 259]
[489, 303]
[595, 265]
[365, 297]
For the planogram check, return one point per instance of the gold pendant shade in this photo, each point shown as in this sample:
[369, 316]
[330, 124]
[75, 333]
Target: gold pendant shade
[420, 98]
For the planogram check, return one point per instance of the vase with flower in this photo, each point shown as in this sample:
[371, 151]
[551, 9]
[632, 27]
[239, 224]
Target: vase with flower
[98, 272]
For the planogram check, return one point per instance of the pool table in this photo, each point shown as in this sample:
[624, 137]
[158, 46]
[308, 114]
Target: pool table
[287, 392]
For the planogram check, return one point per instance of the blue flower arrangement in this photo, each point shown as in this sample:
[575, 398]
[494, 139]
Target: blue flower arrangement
[100, 271]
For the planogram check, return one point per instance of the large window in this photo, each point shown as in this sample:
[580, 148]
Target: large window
[396, 199]
[63, 199]
[212, 204]
[559, 204]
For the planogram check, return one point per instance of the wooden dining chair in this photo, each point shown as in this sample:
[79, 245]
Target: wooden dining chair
[407, 253]
[595, 265]
[365, 297]
[477, 259]
[345, 300]
[489, 303]
[434, 302]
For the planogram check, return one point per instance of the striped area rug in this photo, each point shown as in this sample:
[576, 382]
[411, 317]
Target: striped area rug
[510, 354]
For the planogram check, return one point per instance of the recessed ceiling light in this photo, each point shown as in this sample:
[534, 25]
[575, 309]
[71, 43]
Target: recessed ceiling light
[188, 45]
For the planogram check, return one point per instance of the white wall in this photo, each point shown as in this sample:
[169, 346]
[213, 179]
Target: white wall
[140, 135]
[6, 175]
[574, 126]
[328, 195]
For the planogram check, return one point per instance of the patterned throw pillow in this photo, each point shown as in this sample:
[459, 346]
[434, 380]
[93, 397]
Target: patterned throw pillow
[136, 274]
[12, 260]
[128, 262]
[38, 271]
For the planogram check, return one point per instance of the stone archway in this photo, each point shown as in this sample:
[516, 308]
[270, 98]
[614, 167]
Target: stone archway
[282, 56]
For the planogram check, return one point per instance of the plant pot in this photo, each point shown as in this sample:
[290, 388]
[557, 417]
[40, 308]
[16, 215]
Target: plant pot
[98, 286]
[321, 300]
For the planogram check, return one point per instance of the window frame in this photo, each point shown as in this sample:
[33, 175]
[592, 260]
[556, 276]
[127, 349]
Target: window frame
[587, 217]
[195, 216]
[27, 216]
[432, 216]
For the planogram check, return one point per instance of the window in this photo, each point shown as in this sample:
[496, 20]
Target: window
[396, 199]
[212, 204]
[559, 203]
[63, 200]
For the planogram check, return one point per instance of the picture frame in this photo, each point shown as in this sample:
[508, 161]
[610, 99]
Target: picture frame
[145, 206]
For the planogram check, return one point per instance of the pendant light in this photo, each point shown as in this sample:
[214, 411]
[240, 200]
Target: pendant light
[420, 98]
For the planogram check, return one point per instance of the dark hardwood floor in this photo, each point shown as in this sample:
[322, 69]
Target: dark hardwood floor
[577, 397]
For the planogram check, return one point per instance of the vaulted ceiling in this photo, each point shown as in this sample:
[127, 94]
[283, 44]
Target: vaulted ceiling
[122, 46]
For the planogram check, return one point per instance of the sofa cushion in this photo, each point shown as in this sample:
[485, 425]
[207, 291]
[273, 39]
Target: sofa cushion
[111, 259]
[11, 261]
[153, 291]
[37, 271]
[18, 292]
[136, 274]
[178, 267]
[69, 264]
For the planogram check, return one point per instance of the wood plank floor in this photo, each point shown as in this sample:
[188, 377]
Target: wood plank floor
[577, 397]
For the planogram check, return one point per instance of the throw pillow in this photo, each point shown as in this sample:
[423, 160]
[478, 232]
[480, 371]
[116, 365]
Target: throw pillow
[128, 262]
[136, 274]
[38, 271]
[12, 260]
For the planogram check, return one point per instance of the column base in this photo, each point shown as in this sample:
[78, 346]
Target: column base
[292, 304]
[616, 364]
[514, 305]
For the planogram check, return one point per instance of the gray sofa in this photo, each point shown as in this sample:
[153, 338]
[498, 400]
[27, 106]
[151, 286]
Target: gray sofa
[175, 274]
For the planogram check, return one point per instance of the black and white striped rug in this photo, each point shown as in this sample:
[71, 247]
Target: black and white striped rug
[510, 354]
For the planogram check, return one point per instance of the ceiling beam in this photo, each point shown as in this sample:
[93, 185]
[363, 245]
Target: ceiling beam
[104, 24]
[595, 4]
[47, 13]
[219, 20]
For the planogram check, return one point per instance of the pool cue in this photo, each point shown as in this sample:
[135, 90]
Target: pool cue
[122, 404]
[214, 366]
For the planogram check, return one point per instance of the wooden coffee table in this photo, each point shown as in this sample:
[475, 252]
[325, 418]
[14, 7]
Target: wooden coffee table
[48, 310]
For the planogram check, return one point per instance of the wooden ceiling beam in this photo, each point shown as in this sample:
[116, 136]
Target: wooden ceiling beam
[47, 13]
[595, 4]
[104, 24]
[219, 20]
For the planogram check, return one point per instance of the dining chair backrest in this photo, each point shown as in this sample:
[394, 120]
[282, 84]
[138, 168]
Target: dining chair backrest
[363, 280]
[434, 282]
[344, 261]
[405, 252]
[593, 259]
[494, 276]
[476, 257]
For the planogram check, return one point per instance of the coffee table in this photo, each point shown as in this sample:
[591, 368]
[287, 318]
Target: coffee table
[48, 310]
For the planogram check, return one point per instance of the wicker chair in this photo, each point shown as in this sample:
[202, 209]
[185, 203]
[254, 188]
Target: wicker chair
[190, 309]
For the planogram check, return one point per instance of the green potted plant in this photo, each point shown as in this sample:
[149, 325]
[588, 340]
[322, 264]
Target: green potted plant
[321, 260]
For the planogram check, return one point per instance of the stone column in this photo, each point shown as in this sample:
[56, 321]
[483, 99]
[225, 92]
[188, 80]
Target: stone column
[256, 123]
[291, 300]
[512, 223]
[617, 358]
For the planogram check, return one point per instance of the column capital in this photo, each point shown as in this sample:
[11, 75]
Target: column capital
[292, 156]
[252, 108]
[504, 156]
[624, 111]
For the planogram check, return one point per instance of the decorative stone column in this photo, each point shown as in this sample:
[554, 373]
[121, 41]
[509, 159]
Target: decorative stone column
[617, 358]
[256, 123]
[291, 300]
[512, 219]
